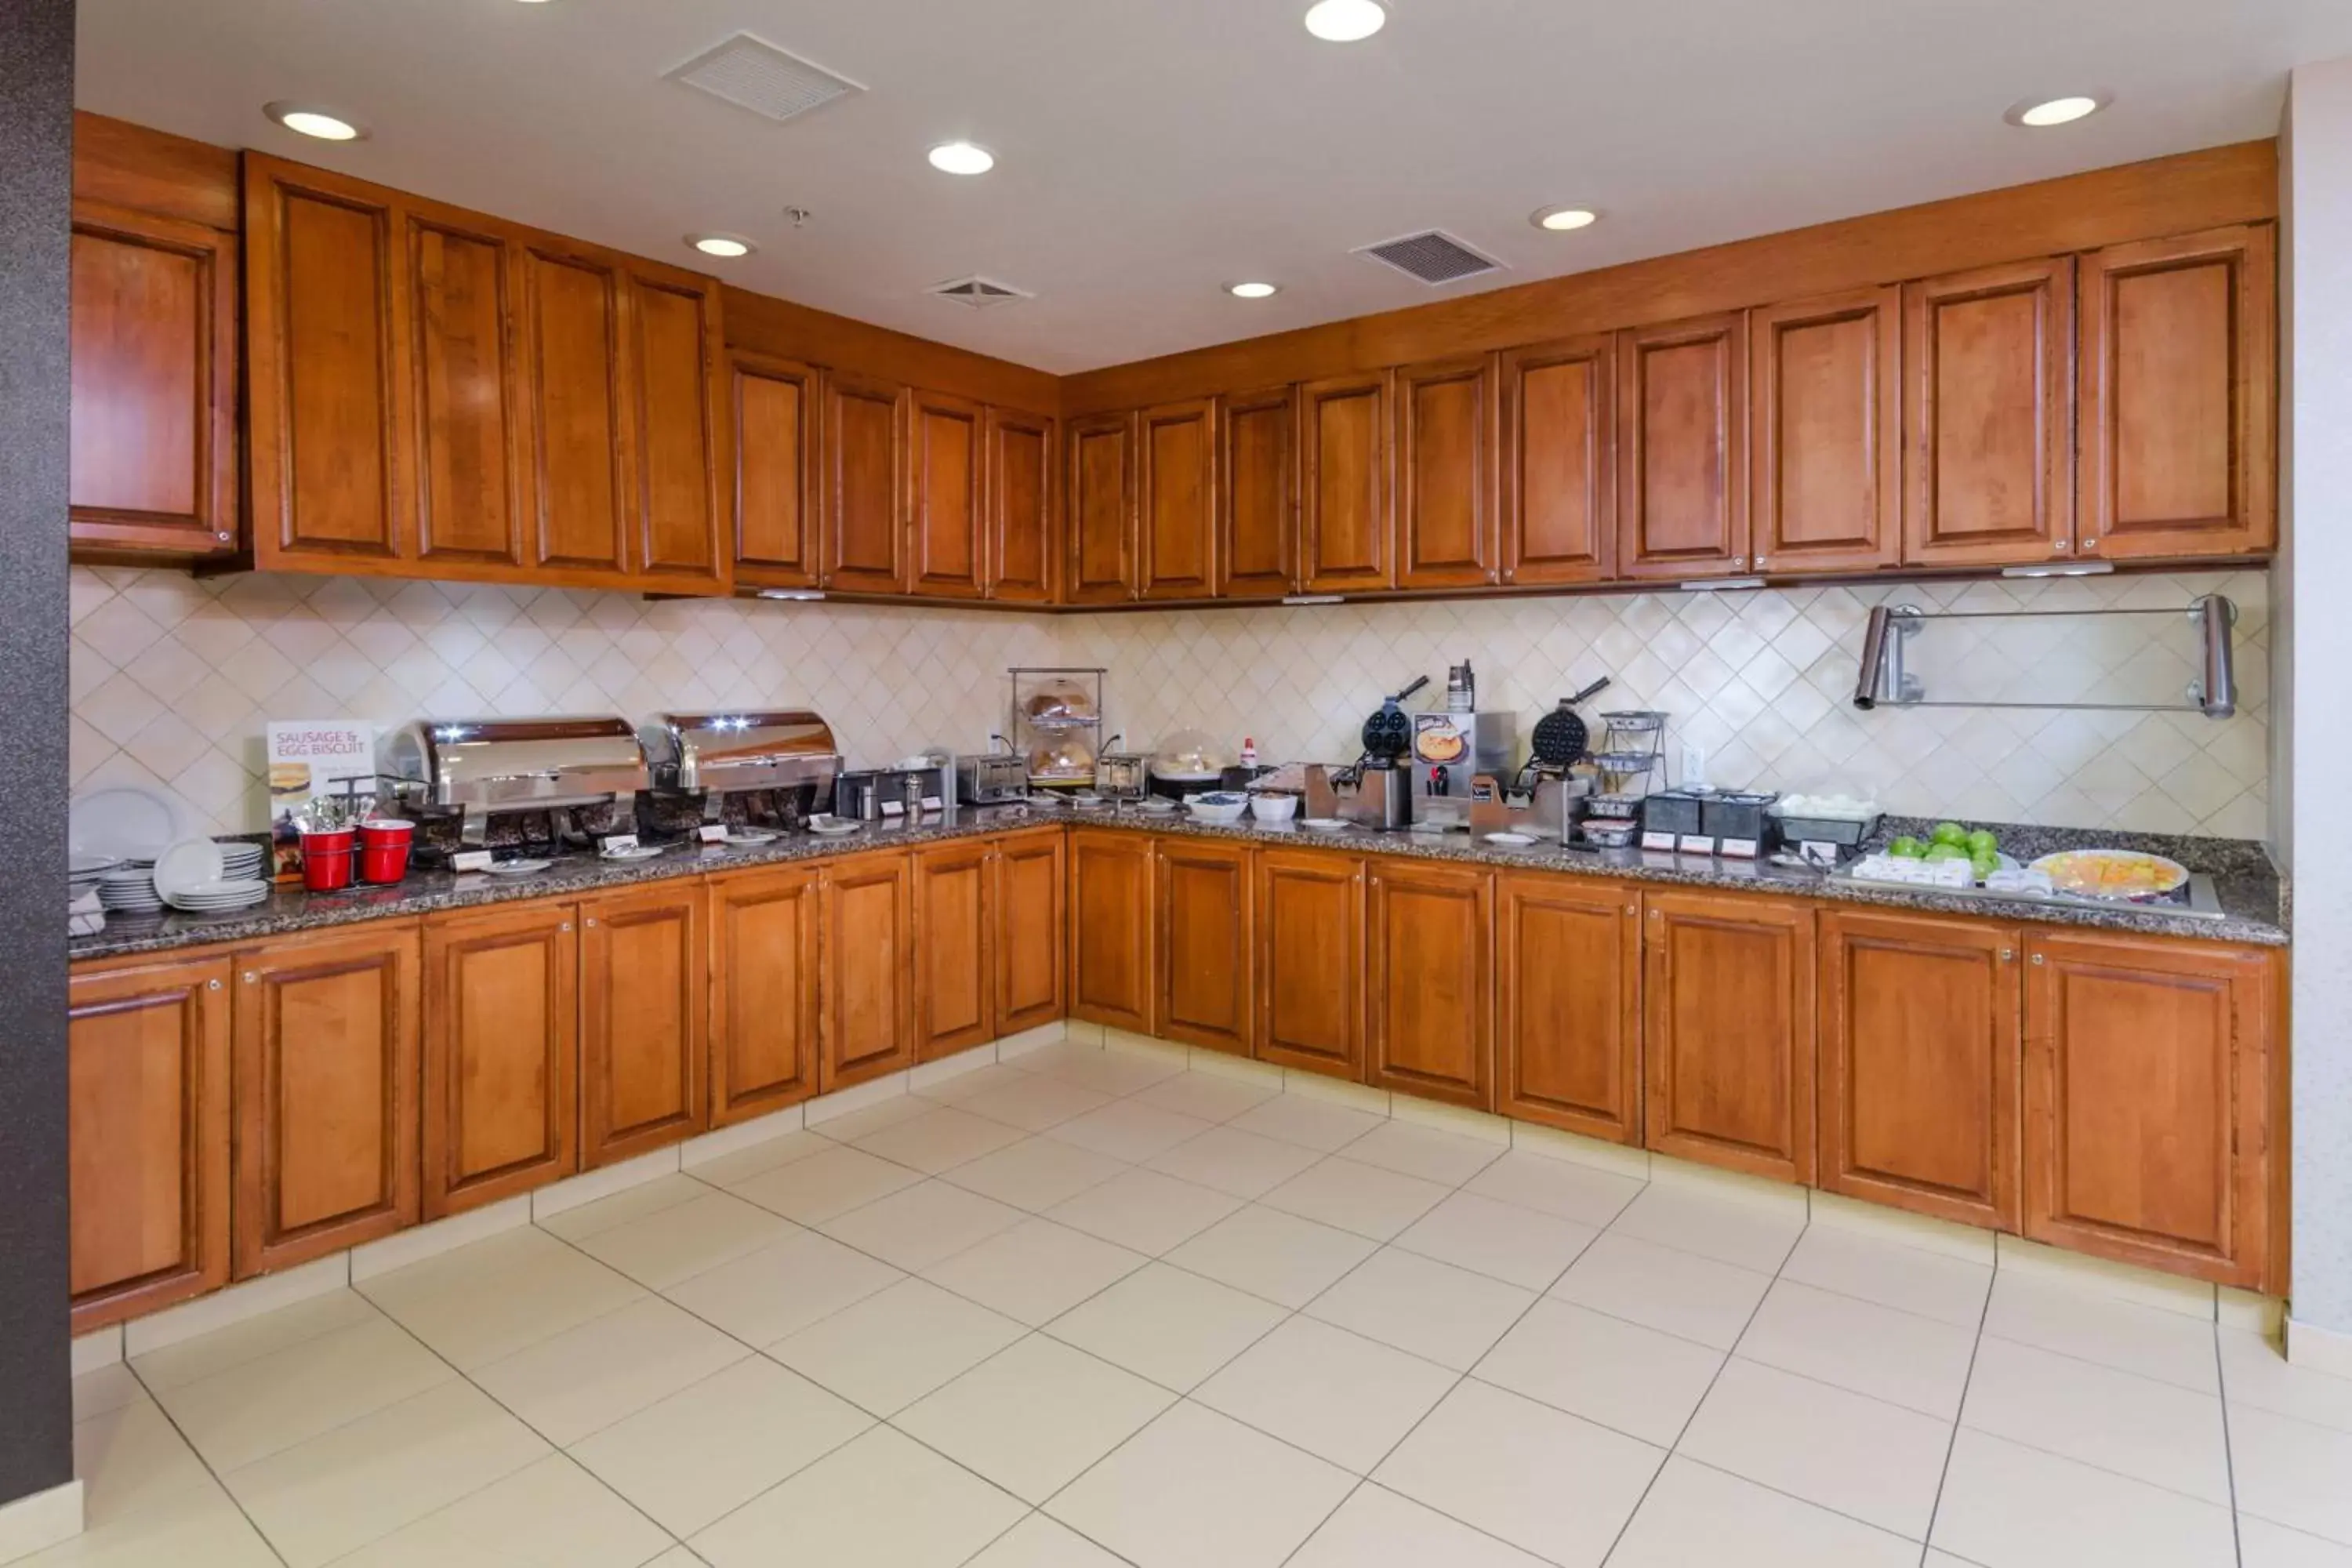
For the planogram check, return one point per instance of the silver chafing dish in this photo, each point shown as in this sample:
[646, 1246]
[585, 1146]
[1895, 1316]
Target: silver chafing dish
[776, 764]
[576, 772]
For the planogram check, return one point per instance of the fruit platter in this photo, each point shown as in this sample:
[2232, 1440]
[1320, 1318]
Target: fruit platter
[2131, 876]
[1952, 856]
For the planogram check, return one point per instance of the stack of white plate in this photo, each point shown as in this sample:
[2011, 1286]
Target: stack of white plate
[241, 860]
[217, 897]
[193, 875]
[130, 890]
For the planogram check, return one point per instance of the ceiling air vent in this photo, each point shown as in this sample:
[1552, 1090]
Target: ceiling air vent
[1434, 258]
[980, 293]
[752, 74]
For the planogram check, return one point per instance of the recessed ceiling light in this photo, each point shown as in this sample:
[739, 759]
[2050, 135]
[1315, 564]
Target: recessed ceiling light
[726, 245]
[309, 119]
[961, 158]
[2055, 110]
[1253, 290]
[1345, 21]
[1561, 220]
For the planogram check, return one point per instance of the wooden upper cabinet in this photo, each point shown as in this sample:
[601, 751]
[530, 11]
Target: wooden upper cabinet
[501, 1054]
[326, 1091]
[865, 461]
[1111, 935]
[1207, 991]
[774, 406]
[147, 1097]
[1825, 446]
[325, 319]
[469, 448]
[2176, 407]
[1100, 497]
[1344, 512]
[2146, 1068]
[572, 306]
[1681, 448]
[1920, 1064]
[1730, 1035]
[1030, 898]
[677, 363]
[1429, 1022]
[1446, 424]
[1558, 459]
[155, 360]
[1989, 413]
[946, 496]
[955, 947]
[765, 1004]
[1176, 497]
[1023, 507]
[645, 1008]
[869, 985]
[1257, 527]
[1568, 1004]
[1311, 961]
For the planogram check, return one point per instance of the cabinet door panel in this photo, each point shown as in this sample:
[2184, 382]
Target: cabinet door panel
[1989, 379]
[326, 1088]
[147, 1095]
[323, 333]
[869, 1002]
[955, 948]
[1344, 521]
[1825, 444]
[1310, 962]
[1558, 456]
[765, 1011]
[1920, 1064]
[153, 447]
[1258, 531]
[502, 1052]
[865, 457]
[645, 999]
[1031, 896]
[778, 506]
[1111, 946]
[1568, 1005]
[1729, 1041]
[1101, 499]
[676, 358]
[2147, 1140]
[472, 444]
[1022, 504]
[1432, 973]
[1177, 492]
[1207, 971]
[944, 492]
[2176, 405]
[1682, 432]
[578, 402]
[1445, 429]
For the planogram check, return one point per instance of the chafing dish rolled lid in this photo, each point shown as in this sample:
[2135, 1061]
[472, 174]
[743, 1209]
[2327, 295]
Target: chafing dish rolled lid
[520, 764]
[740, 750]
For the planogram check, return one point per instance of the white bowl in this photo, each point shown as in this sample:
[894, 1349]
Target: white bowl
[1273, 808]
[1204, 812]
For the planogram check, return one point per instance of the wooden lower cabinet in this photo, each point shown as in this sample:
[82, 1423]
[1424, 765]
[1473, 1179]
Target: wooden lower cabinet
[2147, 1063]
[869, 984]
[1568, 1004]
[1311, 961]
[501, 1054]
[1429, 1019]
[325, 1084]
[645, 1009]
[147, 1134]
[955, 947]
[766, 1015]
[1111, 946]
[1920, 1025]
[1031, 898]
[1206, 958]
[1728, 1034]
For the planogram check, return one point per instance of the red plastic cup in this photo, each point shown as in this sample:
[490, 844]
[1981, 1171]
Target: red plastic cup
[327, 860]
[383, 850]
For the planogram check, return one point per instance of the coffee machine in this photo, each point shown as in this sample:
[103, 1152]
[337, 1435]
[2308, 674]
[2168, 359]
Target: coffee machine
[1454, 745]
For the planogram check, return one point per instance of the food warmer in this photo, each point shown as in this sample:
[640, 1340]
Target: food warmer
[763, 767]
[551, 783]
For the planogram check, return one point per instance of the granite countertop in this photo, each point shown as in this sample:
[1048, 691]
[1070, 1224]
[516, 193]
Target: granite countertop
[2252, 897]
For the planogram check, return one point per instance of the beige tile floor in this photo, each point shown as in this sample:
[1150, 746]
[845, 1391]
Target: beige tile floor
[1087, 1308]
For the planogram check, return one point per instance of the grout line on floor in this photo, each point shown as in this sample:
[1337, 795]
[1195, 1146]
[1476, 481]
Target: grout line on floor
[211, 1469]
[2228, 1450]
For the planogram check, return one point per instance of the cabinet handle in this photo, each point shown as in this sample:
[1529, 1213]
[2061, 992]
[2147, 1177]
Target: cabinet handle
[1632, 910]
[1657, 914]
[212, 984]
[2037, 958]
[566, 926]
[2061, 546]
[251, 977]
[592, 923]
[2008, 956]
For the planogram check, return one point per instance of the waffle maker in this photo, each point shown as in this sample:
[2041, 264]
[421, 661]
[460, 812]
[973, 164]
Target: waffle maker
[1387, 734]
[1561, 737]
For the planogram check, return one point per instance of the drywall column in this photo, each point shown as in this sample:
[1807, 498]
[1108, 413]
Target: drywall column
[2315, 567]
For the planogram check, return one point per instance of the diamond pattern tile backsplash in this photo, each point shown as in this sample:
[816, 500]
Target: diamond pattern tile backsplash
[174, 678]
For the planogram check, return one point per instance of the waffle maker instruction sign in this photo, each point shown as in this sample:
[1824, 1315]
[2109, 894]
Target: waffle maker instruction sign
[312, 757]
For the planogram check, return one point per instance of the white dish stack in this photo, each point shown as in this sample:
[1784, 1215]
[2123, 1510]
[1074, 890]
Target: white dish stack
[194, 876]
[130, 890]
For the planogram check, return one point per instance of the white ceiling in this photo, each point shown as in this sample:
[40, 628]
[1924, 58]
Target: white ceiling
[1150, 150]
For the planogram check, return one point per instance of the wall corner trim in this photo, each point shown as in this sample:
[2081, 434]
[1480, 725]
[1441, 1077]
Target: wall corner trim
[39, 1521]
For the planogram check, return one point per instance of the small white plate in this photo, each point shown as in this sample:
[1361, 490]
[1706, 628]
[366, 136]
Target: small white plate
[517, 867]
[1511, 839]
[750, 835]
[831, 826]
[81, 868]
[1328, 823]
[641, 852]
[1158, 805]
[189, 864]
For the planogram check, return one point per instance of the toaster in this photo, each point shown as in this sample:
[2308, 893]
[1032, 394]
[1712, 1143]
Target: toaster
[991, 778]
